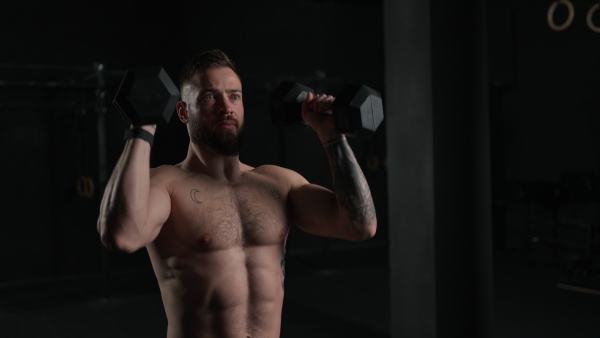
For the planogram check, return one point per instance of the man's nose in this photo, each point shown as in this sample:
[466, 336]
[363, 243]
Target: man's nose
[225, 107]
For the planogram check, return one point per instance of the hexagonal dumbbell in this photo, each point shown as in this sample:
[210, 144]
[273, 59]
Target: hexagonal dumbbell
[357, 109]
[146, 96]
[286, 105]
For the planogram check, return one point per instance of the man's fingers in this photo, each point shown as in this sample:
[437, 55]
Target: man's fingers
[321, 103]
[307, 103]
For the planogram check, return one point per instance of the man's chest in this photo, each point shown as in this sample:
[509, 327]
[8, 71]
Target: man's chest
[211, 216]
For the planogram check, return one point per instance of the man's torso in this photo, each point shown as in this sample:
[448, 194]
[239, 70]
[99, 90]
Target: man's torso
[219, 257]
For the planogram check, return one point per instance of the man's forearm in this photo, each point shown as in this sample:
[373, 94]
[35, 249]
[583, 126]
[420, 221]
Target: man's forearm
[126, 195]
[350, 184]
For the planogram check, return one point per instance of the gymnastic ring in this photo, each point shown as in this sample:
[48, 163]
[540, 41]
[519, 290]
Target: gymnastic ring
[85, 187]
[550, 16]
[590, 13]
[372, 163]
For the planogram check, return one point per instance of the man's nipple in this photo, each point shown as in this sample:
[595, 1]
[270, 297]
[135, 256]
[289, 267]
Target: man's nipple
[204, 239]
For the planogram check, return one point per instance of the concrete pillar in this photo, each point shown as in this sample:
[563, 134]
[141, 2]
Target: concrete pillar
[436, 105]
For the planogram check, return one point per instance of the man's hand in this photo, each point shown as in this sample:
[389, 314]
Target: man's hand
[316, 111]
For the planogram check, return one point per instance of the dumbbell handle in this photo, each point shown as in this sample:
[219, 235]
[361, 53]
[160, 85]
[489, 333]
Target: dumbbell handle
[357, 109]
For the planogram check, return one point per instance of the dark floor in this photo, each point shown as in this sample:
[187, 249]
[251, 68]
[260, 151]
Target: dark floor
[321, 301]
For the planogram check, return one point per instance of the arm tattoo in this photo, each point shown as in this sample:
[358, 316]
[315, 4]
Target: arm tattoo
[349, 183]
[282, 263]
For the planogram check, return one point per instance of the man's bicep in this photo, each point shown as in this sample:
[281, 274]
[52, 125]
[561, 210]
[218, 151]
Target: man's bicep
[314, 209]
[159, 209]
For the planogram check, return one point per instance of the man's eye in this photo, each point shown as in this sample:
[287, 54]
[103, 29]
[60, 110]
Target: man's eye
[209, 97]
[235, 96]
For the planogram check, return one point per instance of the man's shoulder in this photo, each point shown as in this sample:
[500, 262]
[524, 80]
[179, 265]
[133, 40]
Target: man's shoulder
[166, 169]
[166, 173]
[271, 169]
[279, 173]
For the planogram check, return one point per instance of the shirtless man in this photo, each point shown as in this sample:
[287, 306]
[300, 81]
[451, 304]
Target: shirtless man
[215, 228]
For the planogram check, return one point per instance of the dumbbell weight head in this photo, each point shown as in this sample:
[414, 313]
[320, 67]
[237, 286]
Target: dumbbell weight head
[357, 110]
[286, 105]
[146, 95]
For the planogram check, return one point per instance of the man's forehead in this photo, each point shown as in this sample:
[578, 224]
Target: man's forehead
[202, 80]
[210, 76]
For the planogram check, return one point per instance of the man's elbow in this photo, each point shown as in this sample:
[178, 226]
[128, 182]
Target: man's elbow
[116, 241]
[365, 232]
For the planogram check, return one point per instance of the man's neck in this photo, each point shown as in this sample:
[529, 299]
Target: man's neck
[220, 167]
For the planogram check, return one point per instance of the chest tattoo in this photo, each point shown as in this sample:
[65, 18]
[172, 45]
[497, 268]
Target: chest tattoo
[275, 194]
[194, 195]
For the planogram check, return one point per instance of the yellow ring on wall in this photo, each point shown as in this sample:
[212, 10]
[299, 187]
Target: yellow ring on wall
[569, 20]
[372, 163]
[85, 187]
[590, 14]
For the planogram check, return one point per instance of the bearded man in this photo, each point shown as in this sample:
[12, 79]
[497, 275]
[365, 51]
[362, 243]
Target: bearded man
[215, 228]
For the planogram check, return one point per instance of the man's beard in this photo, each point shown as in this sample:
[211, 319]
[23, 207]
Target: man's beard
[227, 143]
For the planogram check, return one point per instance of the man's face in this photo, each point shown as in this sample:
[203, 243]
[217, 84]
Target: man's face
[216, 111]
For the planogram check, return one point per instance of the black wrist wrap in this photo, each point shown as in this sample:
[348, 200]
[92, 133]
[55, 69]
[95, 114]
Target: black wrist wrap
[139, 133]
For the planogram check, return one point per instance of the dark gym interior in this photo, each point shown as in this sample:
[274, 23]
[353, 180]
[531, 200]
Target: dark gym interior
[485, 171]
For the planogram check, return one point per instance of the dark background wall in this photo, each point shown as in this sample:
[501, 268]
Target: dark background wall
[544, 119]
[50, 132]
[543, 109]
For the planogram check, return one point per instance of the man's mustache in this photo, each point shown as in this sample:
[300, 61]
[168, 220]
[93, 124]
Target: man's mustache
[228, 118]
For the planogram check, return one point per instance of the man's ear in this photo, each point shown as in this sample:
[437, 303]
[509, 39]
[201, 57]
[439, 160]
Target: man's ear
[182, 112]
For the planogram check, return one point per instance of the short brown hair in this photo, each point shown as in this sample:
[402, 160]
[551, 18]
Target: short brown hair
[214, 58]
